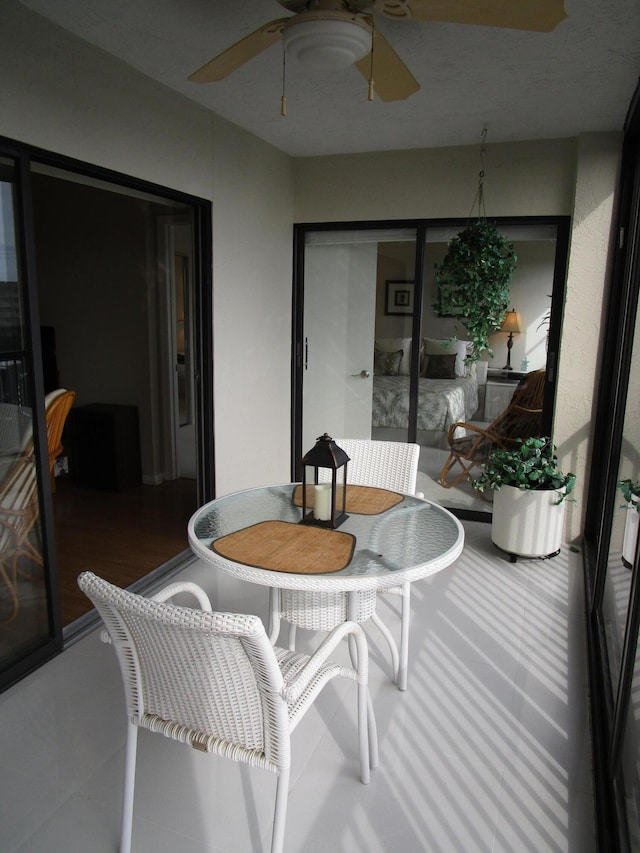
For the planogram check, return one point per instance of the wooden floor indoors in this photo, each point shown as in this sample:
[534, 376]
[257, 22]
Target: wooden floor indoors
[120, 536]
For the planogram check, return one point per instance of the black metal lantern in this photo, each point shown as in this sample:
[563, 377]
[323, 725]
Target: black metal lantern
[326, 503]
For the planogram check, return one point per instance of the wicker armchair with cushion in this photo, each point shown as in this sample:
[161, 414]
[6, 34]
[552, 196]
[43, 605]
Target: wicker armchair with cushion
[215, 682]
[521, 419]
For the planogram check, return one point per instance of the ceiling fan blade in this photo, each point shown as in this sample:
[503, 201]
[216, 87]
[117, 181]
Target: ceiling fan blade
[536, 15]
[239, 53]
[392, 79]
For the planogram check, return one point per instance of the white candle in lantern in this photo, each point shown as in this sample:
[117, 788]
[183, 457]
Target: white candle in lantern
[322, 502]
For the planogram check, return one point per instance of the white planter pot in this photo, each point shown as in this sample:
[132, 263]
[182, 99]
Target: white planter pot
[526, 522]
[630, 532]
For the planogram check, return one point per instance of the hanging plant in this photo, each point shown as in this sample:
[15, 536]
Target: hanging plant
[473, 279]
[473, 282]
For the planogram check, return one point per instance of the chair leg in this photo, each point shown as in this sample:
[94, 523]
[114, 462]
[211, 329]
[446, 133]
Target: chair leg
[403, 669]
[274, 614]
[363, 732]
[280, 811]
[12, 592]
[129, 785]
[292, 637]
[367, 727]
[372, 732]
[386, 633]
[445, 470]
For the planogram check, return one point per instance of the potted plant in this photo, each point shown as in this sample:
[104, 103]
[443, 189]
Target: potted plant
[631, 492]
[473, 282]
[529, 500]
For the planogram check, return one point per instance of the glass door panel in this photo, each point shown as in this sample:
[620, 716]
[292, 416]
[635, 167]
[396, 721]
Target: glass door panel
[350, 336]
[393, 349]
[371, 329]
[452, 391]
[630, 761]
[24, 611]
[622, 545]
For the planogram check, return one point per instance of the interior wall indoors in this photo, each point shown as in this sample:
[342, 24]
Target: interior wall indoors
[565, 177]
[63, 95]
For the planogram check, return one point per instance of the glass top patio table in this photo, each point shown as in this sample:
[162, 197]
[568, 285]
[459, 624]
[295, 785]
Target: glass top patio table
[412, 540]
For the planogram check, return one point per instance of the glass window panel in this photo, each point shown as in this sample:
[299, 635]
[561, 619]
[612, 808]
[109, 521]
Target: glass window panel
[451, 391]
[624, 529]
[24, 620]
[630, 762]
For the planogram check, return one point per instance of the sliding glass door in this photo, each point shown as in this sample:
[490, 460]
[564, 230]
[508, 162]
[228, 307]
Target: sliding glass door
[352, 319]
[29, 629]
[377, 358]
[120, 314]
[612, 553]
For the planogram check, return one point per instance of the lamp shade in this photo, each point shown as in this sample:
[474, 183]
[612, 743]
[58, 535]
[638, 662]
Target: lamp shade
[512, 323]
[326, 40]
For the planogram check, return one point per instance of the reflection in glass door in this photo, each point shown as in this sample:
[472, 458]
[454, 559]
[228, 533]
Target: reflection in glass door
[352, 323]
[24, 612]
[612, 557]
[376, 359]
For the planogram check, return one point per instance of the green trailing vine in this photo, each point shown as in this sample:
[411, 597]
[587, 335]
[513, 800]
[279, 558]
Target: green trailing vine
[630, 489]
[531, 464]
[473, 282]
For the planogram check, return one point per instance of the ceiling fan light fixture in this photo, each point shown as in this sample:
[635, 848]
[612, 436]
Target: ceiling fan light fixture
[326, 44]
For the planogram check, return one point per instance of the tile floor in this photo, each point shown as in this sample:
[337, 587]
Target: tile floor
[488, 750]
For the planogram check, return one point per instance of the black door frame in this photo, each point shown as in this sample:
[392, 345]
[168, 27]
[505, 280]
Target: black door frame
[609, 710]
[421, 227]
[24, 156]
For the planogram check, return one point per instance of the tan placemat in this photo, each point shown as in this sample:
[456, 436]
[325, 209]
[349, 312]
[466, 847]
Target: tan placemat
[285, 547]
[361, 500]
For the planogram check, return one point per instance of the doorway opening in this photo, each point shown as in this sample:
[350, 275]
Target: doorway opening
[116, 270]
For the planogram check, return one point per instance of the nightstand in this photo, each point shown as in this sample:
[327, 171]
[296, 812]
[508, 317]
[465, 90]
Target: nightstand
[499, 390]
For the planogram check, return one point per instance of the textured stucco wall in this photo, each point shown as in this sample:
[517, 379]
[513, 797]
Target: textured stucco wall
[597, 166]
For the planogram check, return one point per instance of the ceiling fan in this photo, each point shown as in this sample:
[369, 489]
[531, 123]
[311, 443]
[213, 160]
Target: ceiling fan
[329, 34]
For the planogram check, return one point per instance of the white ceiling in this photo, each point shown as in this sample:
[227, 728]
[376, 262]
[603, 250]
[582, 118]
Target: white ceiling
[521, 85]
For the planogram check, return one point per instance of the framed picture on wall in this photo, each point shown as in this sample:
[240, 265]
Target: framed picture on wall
[399, 298]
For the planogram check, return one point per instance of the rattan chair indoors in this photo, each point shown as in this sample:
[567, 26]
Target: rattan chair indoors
[18, 514]
[215, 682]
[470, 446]
[57, 406]
[19, 509]
[386, 465]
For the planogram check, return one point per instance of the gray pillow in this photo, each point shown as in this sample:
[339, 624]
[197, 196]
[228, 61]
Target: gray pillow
[441, 367]
[387, 363]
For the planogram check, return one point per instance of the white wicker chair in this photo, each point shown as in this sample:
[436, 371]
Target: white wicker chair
[214, 681]
[386, 465]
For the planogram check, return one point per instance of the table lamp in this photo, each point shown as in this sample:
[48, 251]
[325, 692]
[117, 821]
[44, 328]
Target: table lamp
[512, 325]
